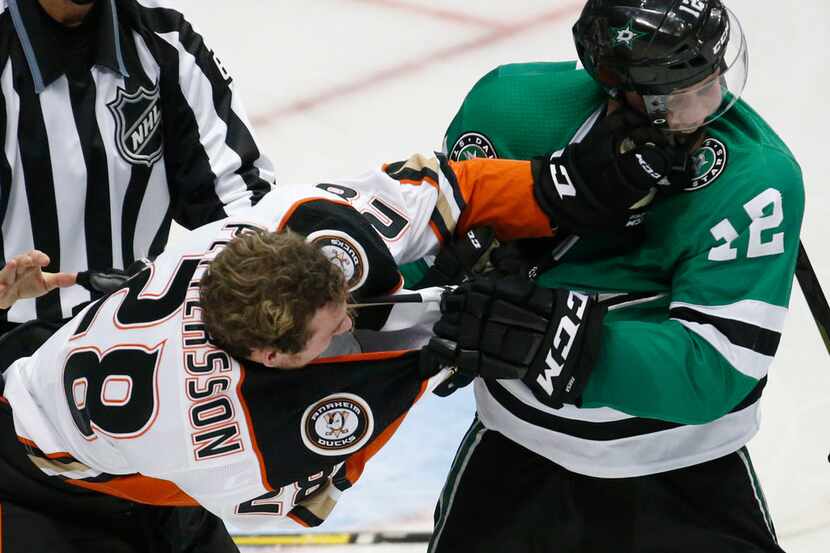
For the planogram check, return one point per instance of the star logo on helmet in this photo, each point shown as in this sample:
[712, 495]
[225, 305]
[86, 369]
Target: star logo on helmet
[625, 36]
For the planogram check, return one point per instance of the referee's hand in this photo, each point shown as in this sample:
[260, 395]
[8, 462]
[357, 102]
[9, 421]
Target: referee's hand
[23, 277]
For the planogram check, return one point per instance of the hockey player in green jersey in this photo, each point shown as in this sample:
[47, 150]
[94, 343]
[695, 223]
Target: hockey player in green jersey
[650, 456]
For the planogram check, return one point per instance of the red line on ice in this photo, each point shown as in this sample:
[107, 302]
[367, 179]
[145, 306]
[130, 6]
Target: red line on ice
[407, 68]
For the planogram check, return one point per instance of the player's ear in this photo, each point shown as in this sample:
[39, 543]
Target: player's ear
[266, 356]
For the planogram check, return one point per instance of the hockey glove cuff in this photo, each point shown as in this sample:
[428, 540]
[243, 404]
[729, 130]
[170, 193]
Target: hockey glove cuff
[512, 329]
[461, 258]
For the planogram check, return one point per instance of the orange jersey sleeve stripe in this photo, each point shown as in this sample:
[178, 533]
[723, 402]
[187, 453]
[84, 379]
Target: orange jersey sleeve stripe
[55, 455]
[499, 194]
[298, 520]
[371, 356]
[434, 228]
[141, 489]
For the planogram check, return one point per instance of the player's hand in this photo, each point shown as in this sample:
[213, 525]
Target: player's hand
[605, 182]
[511, 328]
[23, 277]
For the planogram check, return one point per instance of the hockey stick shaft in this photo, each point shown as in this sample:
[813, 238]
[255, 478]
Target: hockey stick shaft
[811, 288]
[816, 300]
[427, 295]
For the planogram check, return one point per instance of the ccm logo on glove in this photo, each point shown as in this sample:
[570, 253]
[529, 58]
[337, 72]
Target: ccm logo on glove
[559, 174]
[511, 328]
[562, 341]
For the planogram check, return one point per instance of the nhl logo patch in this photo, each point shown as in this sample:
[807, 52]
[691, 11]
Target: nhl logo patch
[336, 425]
[709, 162]
[138, 125]
[471, 145]
[345, 252]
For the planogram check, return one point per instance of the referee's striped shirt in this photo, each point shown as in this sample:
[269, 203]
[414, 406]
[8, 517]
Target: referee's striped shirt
[93, 169]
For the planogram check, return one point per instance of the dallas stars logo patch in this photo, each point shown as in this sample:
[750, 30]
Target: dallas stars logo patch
[471, 145]
[709, 163]
[625, 36]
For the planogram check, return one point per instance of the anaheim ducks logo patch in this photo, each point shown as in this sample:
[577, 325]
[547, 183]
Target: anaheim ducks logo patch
[345, 252]
[138, 125]
[709, 162]
[471, 145]
[336, 425]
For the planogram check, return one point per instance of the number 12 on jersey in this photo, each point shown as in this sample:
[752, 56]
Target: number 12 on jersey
[766, 213]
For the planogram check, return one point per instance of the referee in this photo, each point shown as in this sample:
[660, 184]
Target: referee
[116, 119]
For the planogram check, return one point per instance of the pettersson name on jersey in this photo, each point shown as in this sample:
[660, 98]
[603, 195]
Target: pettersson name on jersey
[214, 428]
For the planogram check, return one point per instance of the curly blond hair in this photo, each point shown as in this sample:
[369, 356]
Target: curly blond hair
[264, 288]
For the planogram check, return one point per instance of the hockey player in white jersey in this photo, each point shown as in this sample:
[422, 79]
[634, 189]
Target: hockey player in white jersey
[167, 391]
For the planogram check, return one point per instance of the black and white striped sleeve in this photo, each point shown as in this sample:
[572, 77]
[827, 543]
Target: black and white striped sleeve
[745, 333]
[214, 165]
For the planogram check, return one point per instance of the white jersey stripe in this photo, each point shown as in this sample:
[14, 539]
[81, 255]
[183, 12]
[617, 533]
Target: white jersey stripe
[745, 360]
[520, 391]
[446, 204]
[639, 455]
[69, 474]
[754, 312]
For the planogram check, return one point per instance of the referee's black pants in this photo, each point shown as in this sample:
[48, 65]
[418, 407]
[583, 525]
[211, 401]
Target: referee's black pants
[503, 498]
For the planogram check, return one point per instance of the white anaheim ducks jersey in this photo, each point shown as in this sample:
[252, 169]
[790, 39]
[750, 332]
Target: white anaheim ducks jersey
[131, 399]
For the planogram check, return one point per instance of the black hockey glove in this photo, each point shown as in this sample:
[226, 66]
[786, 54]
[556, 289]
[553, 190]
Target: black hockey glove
[511, 328]
[606, 182]
[461, 258]
[109, 280]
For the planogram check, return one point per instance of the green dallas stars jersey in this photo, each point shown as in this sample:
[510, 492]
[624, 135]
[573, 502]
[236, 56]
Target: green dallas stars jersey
[696, 309]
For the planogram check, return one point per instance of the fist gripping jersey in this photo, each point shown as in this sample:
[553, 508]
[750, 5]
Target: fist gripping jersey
[696, 309]
[131, 398]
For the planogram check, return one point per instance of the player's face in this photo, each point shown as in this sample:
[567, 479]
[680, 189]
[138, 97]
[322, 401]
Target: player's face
[686, 109]
[330, 320]
[689, 109]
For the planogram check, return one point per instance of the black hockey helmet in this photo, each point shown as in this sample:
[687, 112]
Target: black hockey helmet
[668, 51]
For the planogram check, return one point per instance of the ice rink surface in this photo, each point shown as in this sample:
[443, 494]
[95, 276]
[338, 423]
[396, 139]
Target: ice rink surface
[335, 87]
